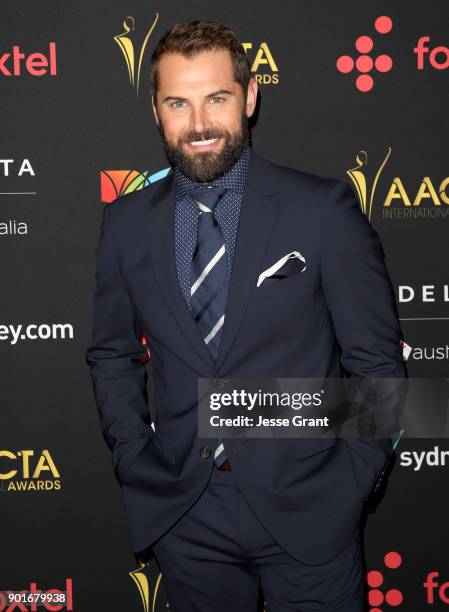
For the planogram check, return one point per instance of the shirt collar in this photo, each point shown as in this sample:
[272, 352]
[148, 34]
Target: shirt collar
[234, 179]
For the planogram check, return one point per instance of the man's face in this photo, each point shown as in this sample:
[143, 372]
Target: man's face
[201, 113]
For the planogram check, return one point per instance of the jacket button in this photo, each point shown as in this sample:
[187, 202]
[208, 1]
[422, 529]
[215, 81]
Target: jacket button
[220, 382]
[205, 452]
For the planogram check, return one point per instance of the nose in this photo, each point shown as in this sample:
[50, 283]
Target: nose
[199, 120]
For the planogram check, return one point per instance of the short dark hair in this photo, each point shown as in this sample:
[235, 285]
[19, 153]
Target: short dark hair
[192, 37]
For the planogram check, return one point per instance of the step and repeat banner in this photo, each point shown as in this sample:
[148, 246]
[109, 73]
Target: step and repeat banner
[352, 90]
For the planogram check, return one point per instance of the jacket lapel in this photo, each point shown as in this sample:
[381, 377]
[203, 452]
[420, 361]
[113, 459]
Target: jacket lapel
[161, 223]
[257, 215]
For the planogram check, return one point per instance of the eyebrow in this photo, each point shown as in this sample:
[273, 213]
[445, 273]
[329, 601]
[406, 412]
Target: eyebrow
[211, 95]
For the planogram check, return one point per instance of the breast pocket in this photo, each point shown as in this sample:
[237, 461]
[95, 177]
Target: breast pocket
[279, 286]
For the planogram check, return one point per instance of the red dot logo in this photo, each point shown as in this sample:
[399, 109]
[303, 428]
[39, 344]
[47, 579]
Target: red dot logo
[393, 560]
[364, 44]
[364, 82]
[345, 63]
[364, 63]
[383, 25]
[375, 579]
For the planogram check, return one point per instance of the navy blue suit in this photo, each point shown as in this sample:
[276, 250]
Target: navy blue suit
[336, 318]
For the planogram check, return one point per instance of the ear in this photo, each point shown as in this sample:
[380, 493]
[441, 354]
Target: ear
[156, 118]
[251, 97]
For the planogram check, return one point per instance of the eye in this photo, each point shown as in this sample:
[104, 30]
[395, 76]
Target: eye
[217, 100]
[177, 104]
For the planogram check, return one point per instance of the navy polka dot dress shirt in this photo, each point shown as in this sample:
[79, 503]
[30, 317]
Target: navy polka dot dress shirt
[227, 212]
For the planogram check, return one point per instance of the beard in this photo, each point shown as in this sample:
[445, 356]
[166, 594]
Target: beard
[207, 166]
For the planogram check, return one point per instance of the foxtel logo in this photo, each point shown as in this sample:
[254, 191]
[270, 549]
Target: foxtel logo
[438, 56]
[364, 63]
[16, 63]
[36, 598]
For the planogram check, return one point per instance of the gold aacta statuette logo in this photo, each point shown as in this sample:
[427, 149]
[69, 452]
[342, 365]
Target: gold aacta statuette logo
[126, 45]
[359, 176]
[141, 580]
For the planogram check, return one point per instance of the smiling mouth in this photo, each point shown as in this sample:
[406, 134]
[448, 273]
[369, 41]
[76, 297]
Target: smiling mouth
[203, 144]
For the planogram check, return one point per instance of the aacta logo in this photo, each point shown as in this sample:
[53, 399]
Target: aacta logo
[364, 63]
[17, 63]
[423, 200]
[365, 185]
[10, 167]
[133, 56]
[263, 65]
[24, 471]
[149, 588]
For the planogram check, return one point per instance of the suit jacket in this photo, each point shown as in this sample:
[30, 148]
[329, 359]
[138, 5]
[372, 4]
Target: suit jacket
[338, 318]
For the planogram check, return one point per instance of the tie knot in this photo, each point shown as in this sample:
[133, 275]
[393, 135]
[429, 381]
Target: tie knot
[207, 198]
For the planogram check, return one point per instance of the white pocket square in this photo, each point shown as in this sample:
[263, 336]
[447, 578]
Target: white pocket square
[275, 267]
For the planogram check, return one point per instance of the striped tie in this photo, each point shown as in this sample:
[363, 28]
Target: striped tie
[209, 285]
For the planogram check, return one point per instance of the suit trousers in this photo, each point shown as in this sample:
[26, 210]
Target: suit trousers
[218, 556]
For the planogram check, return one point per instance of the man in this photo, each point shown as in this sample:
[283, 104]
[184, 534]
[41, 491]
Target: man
[179, 262]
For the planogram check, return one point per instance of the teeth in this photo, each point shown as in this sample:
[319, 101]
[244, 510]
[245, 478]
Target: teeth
[202, 143]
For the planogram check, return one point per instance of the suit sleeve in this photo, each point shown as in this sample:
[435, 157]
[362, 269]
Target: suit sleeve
[114, 355]
[361, 301]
